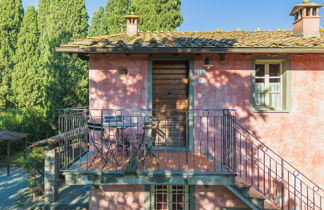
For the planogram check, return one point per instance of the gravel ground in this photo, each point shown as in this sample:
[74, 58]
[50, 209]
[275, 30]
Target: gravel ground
[10, 186]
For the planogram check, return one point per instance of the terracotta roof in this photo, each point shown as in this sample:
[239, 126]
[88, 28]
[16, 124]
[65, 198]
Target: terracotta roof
[235, 39]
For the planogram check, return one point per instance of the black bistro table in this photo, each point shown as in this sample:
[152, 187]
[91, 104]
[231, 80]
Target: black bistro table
[120, 139]
[7, 137]
[120, 127]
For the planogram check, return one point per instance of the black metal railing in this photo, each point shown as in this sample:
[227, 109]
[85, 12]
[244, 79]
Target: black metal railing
[197, 140]
[148, 140]
[273, 176]
[73, 133]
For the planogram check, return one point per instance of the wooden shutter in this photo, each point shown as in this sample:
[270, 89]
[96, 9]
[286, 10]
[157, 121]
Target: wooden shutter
[170, 91]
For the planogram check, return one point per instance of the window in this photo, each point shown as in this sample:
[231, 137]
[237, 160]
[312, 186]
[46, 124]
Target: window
[270, 85]
[170, 197]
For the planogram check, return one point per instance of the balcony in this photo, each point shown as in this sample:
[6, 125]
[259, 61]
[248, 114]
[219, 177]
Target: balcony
[195, 147]
[147, 142]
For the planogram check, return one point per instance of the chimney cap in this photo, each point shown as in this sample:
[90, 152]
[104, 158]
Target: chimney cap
[305, 4]
[132, 16]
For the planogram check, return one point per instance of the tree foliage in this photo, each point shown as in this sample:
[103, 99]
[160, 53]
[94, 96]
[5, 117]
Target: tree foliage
[33, 74]
[115, 15]
[26, 78]
[99, 24]
[158, 15]
[36, 80]
[155, 15]
[11, 14]
[65, 77]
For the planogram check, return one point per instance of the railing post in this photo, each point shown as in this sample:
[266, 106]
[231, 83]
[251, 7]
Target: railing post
[234, 142]
[101, 139]
[228, 153]
[282, 185]
[188, 125]
[224, 138]
[51, 175]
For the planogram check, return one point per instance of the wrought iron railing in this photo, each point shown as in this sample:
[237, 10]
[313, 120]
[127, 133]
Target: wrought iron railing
[73, 144]
[184, 141]
[199, 141]
[273, 176]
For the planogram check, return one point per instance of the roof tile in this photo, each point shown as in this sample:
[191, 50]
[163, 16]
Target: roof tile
[215, 39]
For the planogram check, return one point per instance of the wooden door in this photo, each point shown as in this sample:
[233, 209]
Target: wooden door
[170, 91]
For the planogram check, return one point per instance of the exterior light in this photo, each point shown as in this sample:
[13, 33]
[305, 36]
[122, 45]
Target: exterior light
[207, 63]
[122, 72]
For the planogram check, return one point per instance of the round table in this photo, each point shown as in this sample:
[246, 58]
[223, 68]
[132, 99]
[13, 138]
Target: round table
[120, 127]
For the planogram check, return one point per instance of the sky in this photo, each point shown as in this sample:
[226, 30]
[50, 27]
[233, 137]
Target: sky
[207, 15]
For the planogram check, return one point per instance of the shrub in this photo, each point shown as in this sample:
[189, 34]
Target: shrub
[34, 165]
[31, 121]
[34, 122]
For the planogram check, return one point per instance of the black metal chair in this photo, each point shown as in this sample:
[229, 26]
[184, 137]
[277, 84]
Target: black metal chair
[111, 151]
[147, 140]
[122, 141]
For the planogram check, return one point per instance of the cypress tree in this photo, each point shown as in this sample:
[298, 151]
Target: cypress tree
[65, 77]
[115, 12]
[158, 15]
[11, 14]
[169, 14]
[98, 23]
[26, 85]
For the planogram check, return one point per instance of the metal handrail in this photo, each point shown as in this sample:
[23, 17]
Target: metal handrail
[269, 149]
[140, 109]
[305, 192]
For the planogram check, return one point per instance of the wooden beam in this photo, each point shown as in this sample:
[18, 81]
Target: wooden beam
[53, 141]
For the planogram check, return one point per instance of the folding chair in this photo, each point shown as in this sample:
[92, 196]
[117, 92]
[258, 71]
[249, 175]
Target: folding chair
[120, 138]
[147, 140]
[109, 144]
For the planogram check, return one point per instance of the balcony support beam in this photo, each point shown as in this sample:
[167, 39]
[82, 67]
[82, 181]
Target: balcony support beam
[100, 178]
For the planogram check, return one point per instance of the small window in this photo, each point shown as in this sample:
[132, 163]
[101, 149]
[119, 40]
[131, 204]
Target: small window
[269, 85]
[170, 197]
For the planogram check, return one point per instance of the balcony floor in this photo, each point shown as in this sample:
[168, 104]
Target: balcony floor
[169, 161]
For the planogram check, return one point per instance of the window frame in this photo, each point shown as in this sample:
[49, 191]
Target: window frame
[169, 196]
[284, 83]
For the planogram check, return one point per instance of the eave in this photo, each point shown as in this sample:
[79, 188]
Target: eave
[248, 50]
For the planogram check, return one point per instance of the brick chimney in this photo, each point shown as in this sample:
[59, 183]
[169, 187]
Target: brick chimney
[307, 19]
[132, 24]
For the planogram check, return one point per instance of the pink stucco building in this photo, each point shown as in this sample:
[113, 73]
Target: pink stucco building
[204, 120]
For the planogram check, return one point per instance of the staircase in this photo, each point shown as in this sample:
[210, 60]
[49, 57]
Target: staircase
[265, 180]
[251, 197]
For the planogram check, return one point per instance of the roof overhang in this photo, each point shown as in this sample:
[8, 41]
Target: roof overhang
[102, 50]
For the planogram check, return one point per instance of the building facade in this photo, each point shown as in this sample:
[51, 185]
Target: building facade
[203, 120]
